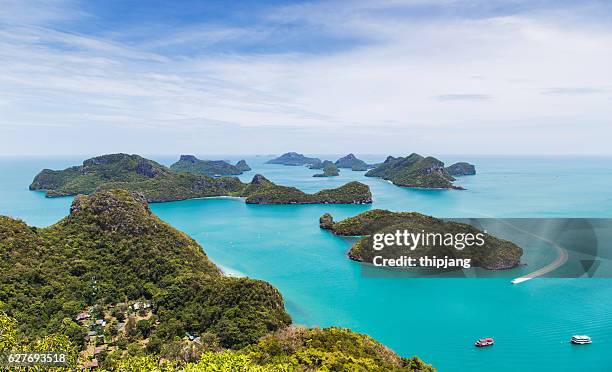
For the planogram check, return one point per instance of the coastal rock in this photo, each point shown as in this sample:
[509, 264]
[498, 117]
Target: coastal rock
[294, 159]
[326, 221]
[461, 169]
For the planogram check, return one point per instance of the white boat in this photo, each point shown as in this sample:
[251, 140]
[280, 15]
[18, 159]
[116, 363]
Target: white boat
[581, 340]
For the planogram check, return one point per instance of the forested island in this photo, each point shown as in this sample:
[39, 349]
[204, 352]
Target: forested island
[330, 170]
[160, 184]
[350, 161]
[191, 164]
[461, 169]
[294, 159]
[115, 287]
[495, 254]
[415, 171]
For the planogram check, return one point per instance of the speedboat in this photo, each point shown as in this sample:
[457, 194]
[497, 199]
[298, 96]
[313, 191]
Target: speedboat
[484, 342]
[580, 340]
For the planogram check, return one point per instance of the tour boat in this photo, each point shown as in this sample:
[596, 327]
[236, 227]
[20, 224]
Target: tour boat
[484, 342]
[581, 340]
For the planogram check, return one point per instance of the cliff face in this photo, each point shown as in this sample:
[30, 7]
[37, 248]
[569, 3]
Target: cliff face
[295, 159]
[414, 171]
[494, 254]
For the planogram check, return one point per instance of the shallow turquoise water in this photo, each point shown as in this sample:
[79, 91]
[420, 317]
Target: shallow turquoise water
[437, 319]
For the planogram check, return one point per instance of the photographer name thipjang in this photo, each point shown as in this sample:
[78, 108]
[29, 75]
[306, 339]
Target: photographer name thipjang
[410, 240]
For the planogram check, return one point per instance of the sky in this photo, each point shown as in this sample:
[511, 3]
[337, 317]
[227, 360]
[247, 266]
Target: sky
[318, 77]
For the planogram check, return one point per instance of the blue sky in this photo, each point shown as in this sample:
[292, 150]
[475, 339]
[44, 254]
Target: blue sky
[222, 77]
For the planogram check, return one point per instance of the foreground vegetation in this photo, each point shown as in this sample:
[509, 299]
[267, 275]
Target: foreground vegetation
[159, 183]
[114, 286]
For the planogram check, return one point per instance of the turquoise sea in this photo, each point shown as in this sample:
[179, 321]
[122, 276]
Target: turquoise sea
[437, 319]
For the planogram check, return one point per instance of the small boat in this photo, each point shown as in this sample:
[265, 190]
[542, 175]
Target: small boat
[484, 342]
[580, 340]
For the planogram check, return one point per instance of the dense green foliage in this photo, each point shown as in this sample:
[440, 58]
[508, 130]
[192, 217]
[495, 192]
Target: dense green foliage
[158, 183]
[12, 341]
[351, 161]
[262, 191]
[295, 159]
[494, 254]
[414, 171]
[131, 172]
[461, 169]
[330, 170]
[111, 249]
[191, 164]
[294, 349]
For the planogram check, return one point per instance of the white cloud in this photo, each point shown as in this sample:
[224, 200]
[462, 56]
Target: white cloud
[409, 86]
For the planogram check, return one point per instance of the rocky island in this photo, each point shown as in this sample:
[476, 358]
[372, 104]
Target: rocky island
[263, 191]
[191, 164]
[243, 166]
[294, 159]
[350, 161]
[494, 254]
[330, 170]
[414, 171]
[461, 169]
[159, 184]
[119, 289]
[321, 165]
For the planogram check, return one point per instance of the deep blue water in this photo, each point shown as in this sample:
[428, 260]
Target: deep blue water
[437, 319]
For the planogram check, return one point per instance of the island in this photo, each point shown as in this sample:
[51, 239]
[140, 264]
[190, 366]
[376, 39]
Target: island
[330, 170]
[263, 191]
[493, 254]
[191, 164]
[321, 165]
[114, 287]
[243, 166]
[461, 169]
[294, 159]
[160, 184]
[350, 161]
[415, 171]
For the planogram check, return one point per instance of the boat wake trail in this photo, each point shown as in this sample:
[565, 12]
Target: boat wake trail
[561, 259]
